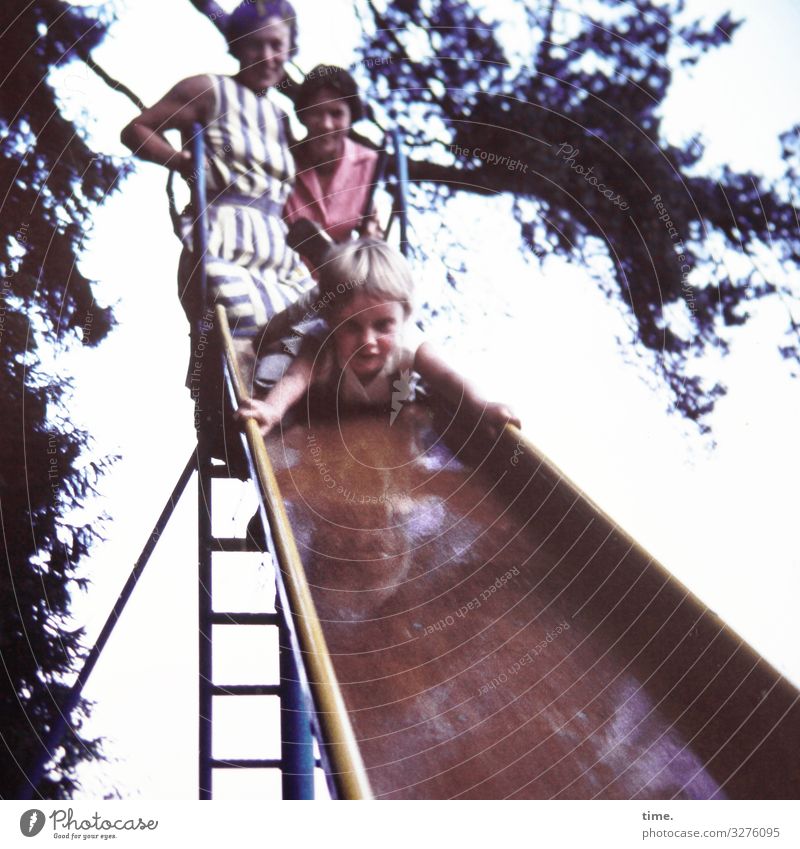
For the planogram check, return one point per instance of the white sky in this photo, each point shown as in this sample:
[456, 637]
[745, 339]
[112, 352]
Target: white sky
[723, 520]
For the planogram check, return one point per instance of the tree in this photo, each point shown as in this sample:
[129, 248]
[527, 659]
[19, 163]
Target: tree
[50, 183]
[572, 130]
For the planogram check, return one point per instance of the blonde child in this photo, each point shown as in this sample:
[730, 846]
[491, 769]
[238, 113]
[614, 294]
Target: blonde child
[363, 348]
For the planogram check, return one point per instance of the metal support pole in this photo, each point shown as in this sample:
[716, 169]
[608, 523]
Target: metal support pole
[297, 747]
[61, 723]
[199, 231]
[402, 188]
[205, 670]
[206, 364]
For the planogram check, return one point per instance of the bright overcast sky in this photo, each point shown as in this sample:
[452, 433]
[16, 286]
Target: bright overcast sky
[722, 520]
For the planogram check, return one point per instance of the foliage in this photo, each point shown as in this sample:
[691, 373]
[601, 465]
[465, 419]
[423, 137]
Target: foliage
[582, 107]
[50, 184]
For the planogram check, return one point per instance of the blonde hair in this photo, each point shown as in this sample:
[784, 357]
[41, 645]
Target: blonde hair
[369, 267]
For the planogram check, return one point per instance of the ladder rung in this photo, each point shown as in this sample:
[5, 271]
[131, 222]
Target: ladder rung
[245, 690]
[234, 545]
[220, 471]
[223, 618]
[246, 763]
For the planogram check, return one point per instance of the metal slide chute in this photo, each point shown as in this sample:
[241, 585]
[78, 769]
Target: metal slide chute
[496, 635]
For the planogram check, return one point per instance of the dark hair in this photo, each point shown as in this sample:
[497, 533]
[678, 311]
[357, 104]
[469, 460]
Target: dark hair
[334, 78]
[250, 15]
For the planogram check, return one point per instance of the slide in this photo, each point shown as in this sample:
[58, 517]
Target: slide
[473, 626]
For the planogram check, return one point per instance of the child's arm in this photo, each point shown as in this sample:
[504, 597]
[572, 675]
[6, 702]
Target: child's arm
[286, 392]
[458, 391]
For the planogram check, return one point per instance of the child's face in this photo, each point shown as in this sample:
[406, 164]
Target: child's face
[365, 332]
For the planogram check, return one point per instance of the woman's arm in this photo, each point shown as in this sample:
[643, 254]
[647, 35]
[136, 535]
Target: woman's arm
[190, 101]
[458, 391]
[286, 392]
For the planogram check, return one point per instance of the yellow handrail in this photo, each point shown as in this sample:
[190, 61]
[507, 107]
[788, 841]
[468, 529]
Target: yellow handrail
[349, 773]
[536, 456]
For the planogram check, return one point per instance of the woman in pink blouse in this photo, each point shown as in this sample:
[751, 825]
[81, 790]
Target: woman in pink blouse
[334, 173]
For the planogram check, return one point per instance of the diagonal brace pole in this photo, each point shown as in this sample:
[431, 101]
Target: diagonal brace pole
[61, 723]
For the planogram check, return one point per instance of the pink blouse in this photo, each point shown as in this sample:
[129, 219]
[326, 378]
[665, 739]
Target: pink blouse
[339, 211]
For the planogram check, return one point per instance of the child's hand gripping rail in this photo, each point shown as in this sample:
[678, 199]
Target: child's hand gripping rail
[338, 743]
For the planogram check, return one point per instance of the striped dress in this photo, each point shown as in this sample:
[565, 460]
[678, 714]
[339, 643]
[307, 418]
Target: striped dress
[249, 174]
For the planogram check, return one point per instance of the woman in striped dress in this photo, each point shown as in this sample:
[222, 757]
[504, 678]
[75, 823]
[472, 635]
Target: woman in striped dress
[249, 170]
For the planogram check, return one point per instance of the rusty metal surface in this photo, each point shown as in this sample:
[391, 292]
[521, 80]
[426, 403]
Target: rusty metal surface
[495, 636]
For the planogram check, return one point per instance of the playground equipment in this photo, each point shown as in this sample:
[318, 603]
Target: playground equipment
[458, 620]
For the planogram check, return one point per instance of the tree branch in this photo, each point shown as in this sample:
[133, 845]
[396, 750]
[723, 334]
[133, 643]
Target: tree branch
[481, 181]
[456, 178]
[110, 81]
[209, 8]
